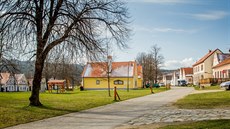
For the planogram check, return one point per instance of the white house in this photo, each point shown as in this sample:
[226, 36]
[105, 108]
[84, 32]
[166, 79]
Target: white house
[167, 78]
[186, 74]
[22, 82]
[175, 77]
[222, 70]
[202, 69]
[14, 82]
[221, 65]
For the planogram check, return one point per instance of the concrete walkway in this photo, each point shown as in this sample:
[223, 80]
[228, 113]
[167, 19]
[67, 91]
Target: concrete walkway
[112, 115]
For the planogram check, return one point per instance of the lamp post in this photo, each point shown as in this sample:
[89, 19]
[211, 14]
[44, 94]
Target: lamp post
[109, 70]
[128, 79]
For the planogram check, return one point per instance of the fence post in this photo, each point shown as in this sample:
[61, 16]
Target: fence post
[115, 93]
[151, 88]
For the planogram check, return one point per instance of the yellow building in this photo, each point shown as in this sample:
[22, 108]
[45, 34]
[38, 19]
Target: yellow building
[122, 75]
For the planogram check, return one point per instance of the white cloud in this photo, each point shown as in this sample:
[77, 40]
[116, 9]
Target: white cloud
[175, 64]
[210, 15]
[142, 29]
[169, 30]
[161, 1]
[163, 29]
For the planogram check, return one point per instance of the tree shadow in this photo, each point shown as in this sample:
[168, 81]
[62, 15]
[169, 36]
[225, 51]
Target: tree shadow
[49, 108]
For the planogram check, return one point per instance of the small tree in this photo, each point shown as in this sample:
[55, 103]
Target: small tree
[71, 26]
[151, 63]
[157, 60]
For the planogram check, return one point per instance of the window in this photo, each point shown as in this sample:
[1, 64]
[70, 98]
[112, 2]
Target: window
[201, 67]
[98, 82]
[118, 82]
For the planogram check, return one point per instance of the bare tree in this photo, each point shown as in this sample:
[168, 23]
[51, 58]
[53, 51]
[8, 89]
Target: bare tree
[157, 60]
[146, 60]
[37, 27]
[151, 63]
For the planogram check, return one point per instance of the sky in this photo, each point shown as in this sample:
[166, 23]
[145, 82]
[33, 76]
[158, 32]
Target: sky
[185, 30]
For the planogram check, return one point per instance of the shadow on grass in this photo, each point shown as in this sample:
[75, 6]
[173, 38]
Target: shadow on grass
[33, 108]
[65, 93]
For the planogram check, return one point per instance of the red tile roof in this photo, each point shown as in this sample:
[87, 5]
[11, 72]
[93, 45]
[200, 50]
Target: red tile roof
[188, 70]
[205, 57]
[224, 62]
[119, 69]
[5, 78]
[56, 81]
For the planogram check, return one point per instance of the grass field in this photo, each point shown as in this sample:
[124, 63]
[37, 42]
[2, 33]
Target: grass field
[14, 107]
[205, 100]
[216, 87]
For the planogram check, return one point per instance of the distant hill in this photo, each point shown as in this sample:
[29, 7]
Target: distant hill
[27, 68]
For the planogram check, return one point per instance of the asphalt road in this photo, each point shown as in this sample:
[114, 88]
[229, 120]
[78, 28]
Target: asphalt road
[112, 115]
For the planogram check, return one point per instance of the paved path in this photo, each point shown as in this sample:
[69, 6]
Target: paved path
[168, 114]
[112, 115]
[171, 114]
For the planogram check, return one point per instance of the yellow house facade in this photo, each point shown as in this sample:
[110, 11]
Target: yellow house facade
[122, 75]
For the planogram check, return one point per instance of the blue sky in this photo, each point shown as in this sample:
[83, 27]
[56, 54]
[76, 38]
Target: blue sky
[184, 29]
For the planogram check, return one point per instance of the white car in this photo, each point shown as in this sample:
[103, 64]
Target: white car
[225, 85]
[161, 84]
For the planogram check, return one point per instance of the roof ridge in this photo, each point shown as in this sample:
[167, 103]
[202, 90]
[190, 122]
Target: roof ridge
[206, 56]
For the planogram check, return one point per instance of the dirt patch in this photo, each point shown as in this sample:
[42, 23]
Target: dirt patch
[205, 91]
[150, 126]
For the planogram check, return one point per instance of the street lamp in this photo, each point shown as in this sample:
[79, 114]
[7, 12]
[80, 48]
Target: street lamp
[128, 79]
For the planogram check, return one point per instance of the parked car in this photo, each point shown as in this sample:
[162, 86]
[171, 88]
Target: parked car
[225, 85]
[156, 85]
[182, 83]
[147, 85]
[161, 84]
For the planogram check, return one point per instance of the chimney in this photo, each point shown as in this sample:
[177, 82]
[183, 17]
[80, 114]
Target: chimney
[209, 50]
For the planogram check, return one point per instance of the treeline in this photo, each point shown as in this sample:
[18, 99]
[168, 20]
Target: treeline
[55, 70]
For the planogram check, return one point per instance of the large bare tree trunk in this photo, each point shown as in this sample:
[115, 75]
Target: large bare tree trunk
[71, 27]
[34, 98]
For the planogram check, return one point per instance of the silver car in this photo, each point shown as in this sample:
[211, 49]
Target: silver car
[225, 85]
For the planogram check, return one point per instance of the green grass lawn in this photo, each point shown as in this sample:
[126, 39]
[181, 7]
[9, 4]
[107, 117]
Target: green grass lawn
[205, 101]
[216, 87]
[211, 124]
[14, 107]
